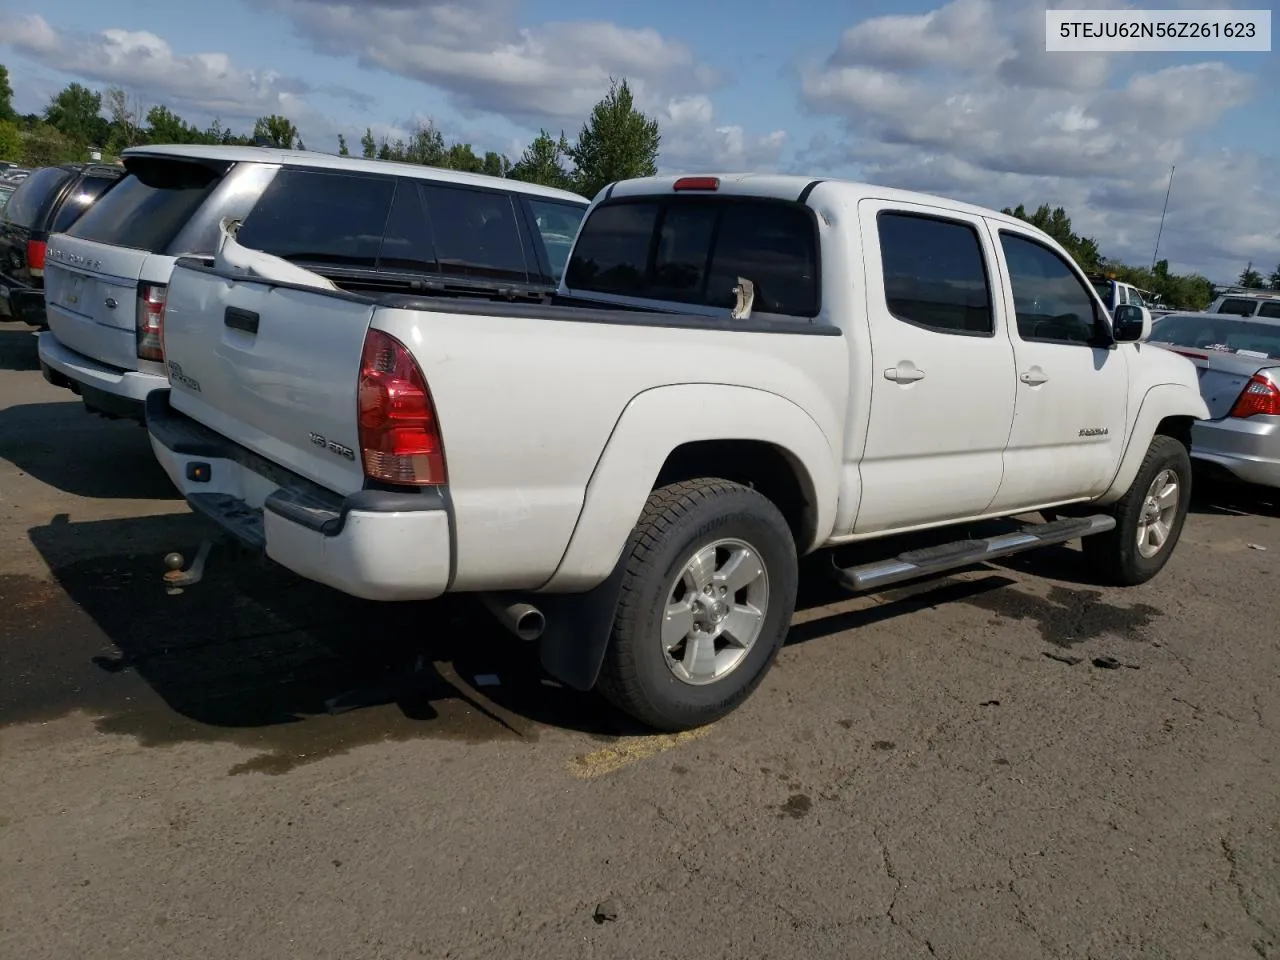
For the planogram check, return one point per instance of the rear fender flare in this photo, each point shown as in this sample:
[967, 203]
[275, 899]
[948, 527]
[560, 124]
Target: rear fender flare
[581, 598]
[1160, 401]
[654, 424]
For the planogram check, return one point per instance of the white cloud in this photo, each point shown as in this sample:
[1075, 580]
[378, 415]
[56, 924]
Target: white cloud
[693, 139]
[207, 84]
[964, 101]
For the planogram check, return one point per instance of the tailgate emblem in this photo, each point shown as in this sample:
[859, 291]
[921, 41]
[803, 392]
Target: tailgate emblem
[332, 446]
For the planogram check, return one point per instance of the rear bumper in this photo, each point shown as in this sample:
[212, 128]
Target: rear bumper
[373, 544]
[1248, 449]
[119, 393]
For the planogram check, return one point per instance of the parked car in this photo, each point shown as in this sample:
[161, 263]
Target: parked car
[1114, 292]
[6, 191]
[47, 202]
[1238, 359]
[736, 371]
[367, 224]
[1246, 302]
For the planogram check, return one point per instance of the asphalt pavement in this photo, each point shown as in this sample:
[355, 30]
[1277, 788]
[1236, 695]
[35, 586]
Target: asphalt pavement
[1011, 762]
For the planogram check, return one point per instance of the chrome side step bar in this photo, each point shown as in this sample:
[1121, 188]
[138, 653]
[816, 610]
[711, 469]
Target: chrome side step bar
[963, 553]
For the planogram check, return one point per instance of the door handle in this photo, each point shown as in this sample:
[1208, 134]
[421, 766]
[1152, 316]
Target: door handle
[903, 374]
[1033, 377]
[238, 319]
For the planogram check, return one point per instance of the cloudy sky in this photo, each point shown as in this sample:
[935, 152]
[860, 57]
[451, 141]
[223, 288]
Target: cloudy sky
[957, 99]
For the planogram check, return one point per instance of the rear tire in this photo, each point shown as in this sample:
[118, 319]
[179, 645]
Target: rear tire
[707, 597]
[1149, 518]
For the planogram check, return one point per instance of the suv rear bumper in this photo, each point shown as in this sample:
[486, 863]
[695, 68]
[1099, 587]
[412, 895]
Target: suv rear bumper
[119, 393]
[379, 545]
[1248, 448]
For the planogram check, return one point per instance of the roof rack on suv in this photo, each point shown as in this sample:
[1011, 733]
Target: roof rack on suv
[1248, 292]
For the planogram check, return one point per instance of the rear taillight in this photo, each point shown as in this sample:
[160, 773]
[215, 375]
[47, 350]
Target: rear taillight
[399, 433]
[150, 321]
[35, 257]
[1260, 396]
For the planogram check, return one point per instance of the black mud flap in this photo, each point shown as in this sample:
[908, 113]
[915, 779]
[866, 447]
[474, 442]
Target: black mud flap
[579, 625]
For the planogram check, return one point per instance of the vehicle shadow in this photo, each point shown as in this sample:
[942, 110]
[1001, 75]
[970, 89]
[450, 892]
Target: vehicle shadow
[256, 656]
[1214, 493]
[18, 347]
[65, 447]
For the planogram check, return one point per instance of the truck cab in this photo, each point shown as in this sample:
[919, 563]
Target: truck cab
[736, 371]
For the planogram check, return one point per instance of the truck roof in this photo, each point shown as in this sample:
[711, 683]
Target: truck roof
[792, 187]
[314, 158]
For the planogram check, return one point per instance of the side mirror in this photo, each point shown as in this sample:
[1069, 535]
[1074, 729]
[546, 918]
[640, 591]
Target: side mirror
[1130, 323]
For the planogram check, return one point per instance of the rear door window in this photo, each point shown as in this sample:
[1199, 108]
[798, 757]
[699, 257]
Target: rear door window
[146, 209]
[935, 275]
[476, 233]
[33, 195]
[693, 250]
[1270, 310]
[80, 199]
[321, 218]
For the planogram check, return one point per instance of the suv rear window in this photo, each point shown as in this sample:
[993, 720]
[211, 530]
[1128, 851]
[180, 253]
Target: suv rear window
[33, 194]
[81, 199]
[693, 250]
[146, 209]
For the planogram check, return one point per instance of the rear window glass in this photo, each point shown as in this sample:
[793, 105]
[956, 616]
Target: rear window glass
[1259, 340]
[334, 219]
[33, 195]
[146, 209]
[1238, 306]
[557, 224]
[79, 200]
[694, 250]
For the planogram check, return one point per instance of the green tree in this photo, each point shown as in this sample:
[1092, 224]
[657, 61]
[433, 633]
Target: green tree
[543, 162]
[368, 146]
[1055, 222]
[278, 131]
[461, 156]
[76, 113]
[126, 119]
[495, 164]
[165, 126]
[342, 146]
[1250, 277]
[46, 145]
[616, 143]
[1274, 279]
[10, 141]
[6, 96]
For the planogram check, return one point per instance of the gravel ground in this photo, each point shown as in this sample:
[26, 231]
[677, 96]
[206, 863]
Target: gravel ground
[259, 768]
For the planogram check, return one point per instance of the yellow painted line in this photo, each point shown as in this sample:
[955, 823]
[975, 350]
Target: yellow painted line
[628, 750]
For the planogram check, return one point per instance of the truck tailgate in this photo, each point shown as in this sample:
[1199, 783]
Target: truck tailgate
[274, 369]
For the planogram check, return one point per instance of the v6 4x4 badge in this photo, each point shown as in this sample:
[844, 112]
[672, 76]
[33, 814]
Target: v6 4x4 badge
[333, 447]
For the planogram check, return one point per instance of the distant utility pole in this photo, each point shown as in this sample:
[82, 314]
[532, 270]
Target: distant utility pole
[1156, 254]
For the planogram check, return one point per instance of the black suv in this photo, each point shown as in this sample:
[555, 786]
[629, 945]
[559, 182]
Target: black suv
[48, 201]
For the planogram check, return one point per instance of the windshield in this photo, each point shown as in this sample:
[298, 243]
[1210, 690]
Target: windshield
[1104, 289]
[1244, 338]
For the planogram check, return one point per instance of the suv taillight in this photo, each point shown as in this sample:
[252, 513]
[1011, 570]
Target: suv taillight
[36, 250]
[150, 321]
[1260, 396]
[399, 433]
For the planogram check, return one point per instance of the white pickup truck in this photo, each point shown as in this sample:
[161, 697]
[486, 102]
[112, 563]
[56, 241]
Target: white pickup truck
[737, 371]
